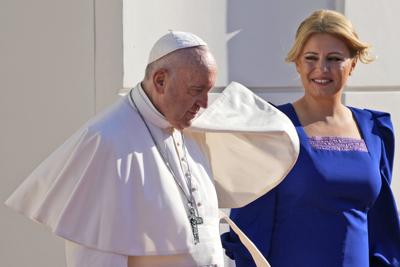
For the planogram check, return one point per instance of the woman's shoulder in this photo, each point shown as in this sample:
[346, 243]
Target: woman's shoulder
[371, 112]
[381, 119]
[285, 108]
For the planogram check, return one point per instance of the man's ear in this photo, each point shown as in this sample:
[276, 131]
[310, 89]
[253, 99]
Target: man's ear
[159, 80]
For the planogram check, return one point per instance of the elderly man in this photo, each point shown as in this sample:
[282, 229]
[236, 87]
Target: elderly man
[130, 188]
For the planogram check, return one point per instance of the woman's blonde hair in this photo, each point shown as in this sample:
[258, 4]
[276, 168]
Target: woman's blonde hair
[334, 23]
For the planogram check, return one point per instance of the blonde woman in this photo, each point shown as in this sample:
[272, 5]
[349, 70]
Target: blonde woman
[335, 208]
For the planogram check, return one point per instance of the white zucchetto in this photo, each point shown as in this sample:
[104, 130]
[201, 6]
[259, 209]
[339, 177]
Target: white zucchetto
[172, 41]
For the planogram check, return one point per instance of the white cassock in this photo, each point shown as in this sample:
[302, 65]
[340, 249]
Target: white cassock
[111, 195]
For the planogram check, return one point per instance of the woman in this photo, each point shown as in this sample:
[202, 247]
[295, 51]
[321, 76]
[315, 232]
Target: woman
[335, 208]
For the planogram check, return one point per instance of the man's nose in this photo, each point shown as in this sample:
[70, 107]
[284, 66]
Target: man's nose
[203, 100]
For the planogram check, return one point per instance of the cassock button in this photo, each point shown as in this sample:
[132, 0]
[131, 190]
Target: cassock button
[199, 204]
[194, 189]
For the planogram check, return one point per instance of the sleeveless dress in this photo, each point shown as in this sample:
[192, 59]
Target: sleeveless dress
[334, 209]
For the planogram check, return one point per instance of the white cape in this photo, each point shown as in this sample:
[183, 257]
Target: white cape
[251, 145]
[83, 193]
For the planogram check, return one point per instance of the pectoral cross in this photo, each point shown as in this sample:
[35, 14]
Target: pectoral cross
[194, 221]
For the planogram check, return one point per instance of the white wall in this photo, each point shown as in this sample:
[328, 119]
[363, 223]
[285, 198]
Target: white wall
[377, 85]
[51, 59]
[248, 38]
[377, 22]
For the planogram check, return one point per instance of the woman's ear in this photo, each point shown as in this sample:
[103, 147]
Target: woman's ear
[353, 65]
[296, 63]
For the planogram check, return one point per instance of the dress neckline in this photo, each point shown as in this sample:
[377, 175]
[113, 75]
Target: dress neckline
[306, 139]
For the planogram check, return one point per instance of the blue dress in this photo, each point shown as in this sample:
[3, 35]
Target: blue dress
[334, 209]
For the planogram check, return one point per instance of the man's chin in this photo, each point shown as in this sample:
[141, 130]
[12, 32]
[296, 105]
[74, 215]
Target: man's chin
[181, 125]
[184, 124]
